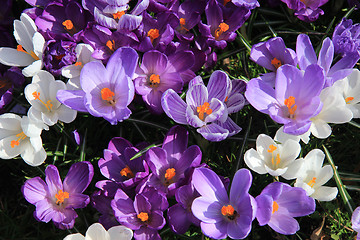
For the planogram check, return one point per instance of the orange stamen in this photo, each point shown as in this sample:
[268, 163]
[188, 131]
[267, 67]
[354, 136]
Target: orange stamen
[32, 54]
[348, 99]
[271, 148]
[170, 173]
[154, 79]
[118, 15]
[68, 24]
[290, 104]
[153, 34]
[20, 48]
[182, 21]
[276, 63]
[48, 104]
[223, 27]
[78, 63]
[228, 211]
[107, 95]
[20, 137]
[143, 216]
[312, 182]
[126, 171]
[59, 57]
[60, 196]
[205, 108]
[226, 99]
[182, 24]
[111, 44]
[275, 207]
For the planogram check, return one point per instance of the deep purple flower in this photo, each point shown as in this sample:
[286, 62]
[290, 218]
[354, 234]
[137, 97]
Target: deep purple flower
[117, 166]
[56, 200]
[346, 37]
[144, 215]
[205, 107]
[158, 73]
[179, 215]
[59, 54]
[306, 56]
[222, 215]
[306, 10]
[249, 4]
[355, 220]
[11, 79]
[279, 203]
[271, 55]
[170, 163]
[294, 100]
[106, 92]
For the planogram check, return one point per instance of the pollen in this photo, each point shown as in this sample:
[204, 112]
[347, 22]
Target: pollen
[348, 100]
[170, 173]
[153, 34]
[276, 63]
[182, 21]
[143, 216]
[78, 63]
[154, 79]
[228, 211]
[48, 104]
[223, 27]
[20, 136]
[290, 104]
[271, 148]
[32, 54]
[68, 25]
[126, 172]
[312, 182]
[61, 196]
[275, 207]
[118, 15]
[205, 108]
[226, 99]
[110, 44]
[108, 95]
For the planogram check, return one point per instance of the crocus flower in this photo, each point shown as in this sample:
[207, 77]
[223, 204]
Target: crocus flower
[106, 92]
[41, 94]
[56, 200]
[117, 166]
[312, 175]
[172, 161]
[29, 52]
[21, 136]
[203, 107]
[144, 215]
[308, 10]
[275, 159]
[97, 232]
[221, 215]
[294, 100]
[9, 80]
[355, 220]
[249, 4]
[271, 55]
[346, 37]
[279, 203]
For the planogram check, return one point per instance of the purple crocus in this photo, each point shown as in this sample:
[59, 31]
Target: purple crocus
[355, 220]
[221, 215]
[59, 54]
[170, 163]
[271, 55]
[279, 203]
[56, 200]
[106, 92]
[144, 215]
[306, 10]
[11, 79]
[205, 107]
[294, 100]
[157, 73]
[117, 166]
[346, 37]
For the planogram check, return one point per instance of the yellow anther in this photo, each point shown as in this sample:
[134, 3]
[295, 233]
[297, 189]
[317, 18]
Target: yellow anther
[68, 24]
[16, 142]
[61, 196]
[108, 95]
[143, 216]
[110, 45]
[348, 100]
[154, 80]
[271, 148]
[170, 173]
[48, 104]
[78, 63]
[275, 207]
[223, 27]
[118, 15]
[153, 34]
[32, 54]
[312, 182]
[205, 108]
[228, 211]
[290, 104]
[276, 63]
[126, 171]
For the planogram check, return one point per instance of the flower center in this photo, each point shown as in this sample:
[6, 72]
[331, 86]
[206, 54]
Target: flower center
[229, 212]
[154, 80]
[274, 161]
[276, 63]
[69, 26]
[226, 1]
[275, 207]
[16, 142]
[348, 100]
[5, 83]
[60, 196]
[111, 45]
[205, 108]
[48, 104]
[312, 182]
[170, 173]
[223, 27]
[118, 15]
[143, 216]
[290, 104]
[182, 24]
[153, 34]
[108, 96]
[126, 171]
[32, 54]
[78, 63]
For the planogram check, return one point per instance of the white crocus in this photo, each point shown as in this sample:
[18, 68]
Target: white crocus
[334, 110]
[83, 56]
[350, 89]
[21, 136]
[273, 158]
[313, 175]
[41, 94]
[31, 45]
[97, 232]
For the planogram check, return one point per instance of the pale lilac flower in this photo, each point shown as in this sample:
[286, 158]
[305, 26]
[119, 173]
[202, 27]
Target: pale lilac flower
[56, 200]
[355, 220]
[306, 10]
[346, 37]
[97, 232]
[279, 203]
[220, 215]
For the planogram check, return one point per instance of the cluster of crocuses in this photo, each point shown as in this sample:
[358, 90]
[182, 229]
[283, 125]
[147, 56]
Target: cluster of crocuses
[139, 186]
